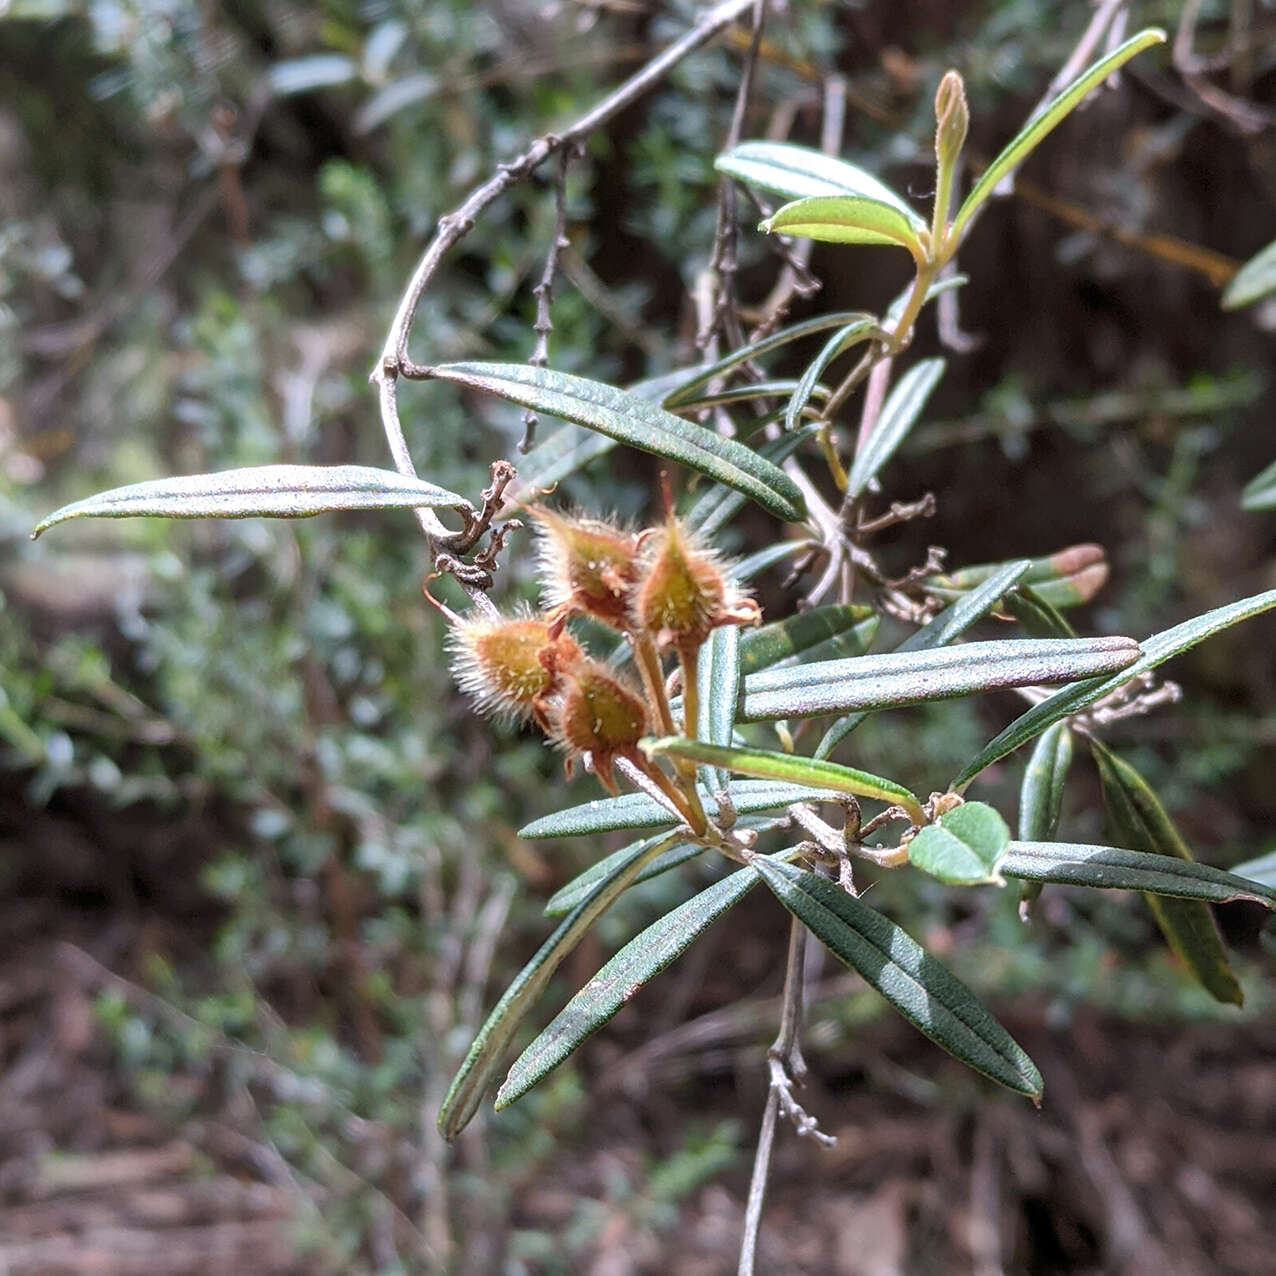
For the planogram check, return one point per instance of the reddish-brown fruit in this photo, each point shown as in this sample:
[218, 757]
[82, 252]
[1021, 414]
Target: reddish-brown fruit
[598, 715]
[588, 567]
[684, 594]
[510, 665]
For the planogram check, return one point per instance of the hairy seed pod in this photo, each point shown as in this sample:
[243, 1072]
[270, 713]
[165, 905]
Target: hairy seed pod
[684, 593]
[587, 566]
[599, 715]
[510, 665]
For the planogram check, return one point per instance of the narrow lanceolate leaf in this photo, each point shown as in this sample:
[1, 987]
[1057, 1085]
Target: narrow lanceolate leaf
[688, 382]
[567, 897]
[798, 172]
[635, 421]
[963, 847]
[636, 964]
[1112, 868]
[901, 409]
[1041, 794]
[822, 633]
[1042, 125]
[918, 986]
[845, 219]
[1139, 821]
[1065, 579]
[756, 564]
[719, 505]
[638, 811]
[1261, 870]
[261, 491]
[899, 678]
[719, 676]
[1040, 618]
[949, 625]
[1156, 650]
[485, 1056]
[861, 330]
[746, 392]
[564, 452]
[1260, 492]
[810, 772]
[1255, 279]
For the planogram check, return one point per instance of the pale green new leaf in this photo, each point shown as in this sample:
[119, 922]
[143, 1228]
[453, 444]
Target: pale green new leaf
[864, 329]
[810, 772]
[845, 219]
[1156, 650]
[261, 491]
[918, 986]
[719, 505]
[950, 624]
[1112, 868]
[1141, 823]
[963, 847]
[633, 420]
[636, 964]
[1041, 794]
[1255, 279]
[797, 172]
[902, 408]
[1040, 126]
[472, 1079]
[896, 679]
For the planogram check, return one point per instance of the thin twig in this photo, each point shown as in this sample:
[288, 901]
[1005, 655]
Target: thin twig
[544, 291]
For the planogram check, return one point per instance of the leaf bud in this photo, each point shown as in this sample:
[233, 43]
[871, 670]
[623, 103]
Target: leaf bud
[952, 118]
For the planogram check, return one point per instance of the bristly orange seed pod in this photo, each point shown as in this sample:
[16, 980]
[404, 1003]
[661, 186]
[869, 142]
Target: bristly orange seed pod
[511, 665]
[588, 567]
[684, 594]
[597, 714]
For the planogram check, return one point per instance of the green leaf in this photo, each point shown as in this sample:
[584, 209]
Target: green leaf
[863, 329]
[756, 564]
[472, 1079]
[1040, 126]
[719, 677]
[798, 172]
[918, 986]
[568, 896]
[1255, 279]
[779, 388]
[899, 412]
[719, 505]
[1156, 651]
[633, 420]
[845, 219]
[261, 491]
[1140, 823]
[694, 378]
[562, 453]
[810, 772]
[638, 962]
[1261, 870]
[950, 624]
[1260, 492]
[1040, 618]
[819, 634]
[1065, 579]
[963, 847]
[1112, 868]
[895, 679]
[1041, 794]
[638, 811]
